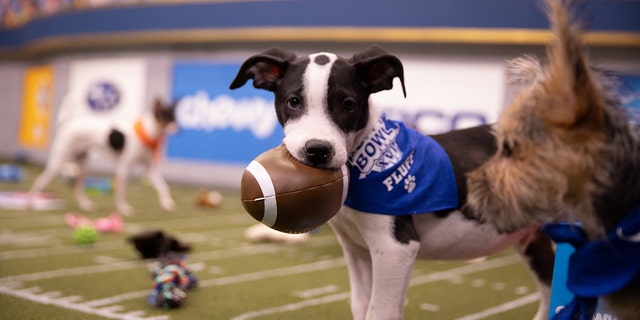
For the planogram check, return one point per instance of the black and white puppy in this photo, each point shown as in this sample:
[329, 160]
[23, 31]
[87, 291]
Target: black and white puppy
[131, 142]
[412, 208]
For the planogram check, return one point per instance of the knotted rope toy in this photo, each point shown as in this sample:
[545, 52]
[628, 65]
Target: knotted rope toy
[172, 279]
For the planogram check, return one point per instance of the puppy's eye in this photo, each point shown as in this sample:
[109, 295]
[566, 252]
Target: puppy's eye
[349, 105]
[507, 149]
[294, 103]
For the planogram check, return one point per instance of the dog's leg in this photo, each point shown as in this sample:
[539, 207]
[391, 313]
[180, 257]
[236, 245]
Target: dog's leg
[358, 261]
[360, 279]
[538, 252]
[392, 260]
[51, 169]
[78, 185]
[392, 265]
[42, 181]
[161, 187]
[120, 185]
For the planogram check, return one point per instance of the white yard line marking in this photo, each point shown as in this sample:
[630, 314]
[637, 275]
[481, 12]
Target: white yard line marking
[58, 250]
[503, 307]
[260, 275]
[255, 249]
[93, 307]
[109, 313]
[310, 293]
[429, 307]
[294, 306]
[73, 271]
[24, 239]
[105, 307]
[123, 265]
[272, 273]
[118, 298]
[48, 250]
[428, 278]
[467, 269]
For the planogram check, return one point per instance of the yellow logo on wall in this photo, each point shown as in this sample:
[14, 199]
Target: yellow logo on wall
[37, 106]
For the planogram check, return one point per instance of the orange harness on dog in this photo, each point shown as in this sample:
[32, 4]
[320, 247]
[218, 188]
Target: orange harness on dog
[153, 144]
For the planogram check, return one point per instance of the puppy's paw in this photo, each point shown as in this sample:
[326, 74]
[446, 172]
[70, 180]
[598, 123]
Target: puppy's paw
[261, 233]
[168, 204]
[31, 201]
[126, 209]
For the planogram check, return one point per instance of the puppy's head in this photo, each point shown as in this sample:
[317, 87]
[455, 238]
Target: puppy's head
[164, 114]
[550, 139]
[321, 100]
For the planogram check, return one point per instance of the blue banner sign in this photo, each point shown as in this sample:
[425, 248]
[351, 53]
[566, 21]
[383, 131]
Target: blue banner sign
[218, 124]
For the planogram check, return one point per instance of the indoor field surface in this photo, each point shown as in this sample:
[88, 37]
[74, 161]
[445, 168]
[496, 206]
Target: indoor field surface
[45, 275]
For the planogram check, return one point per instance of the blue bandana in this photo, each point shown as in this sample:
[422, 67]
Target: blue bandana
[600, 267]
[398, 171]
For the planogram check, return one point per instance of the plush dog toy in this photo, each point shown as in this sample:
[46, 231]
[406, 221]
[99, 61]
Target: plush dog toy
[111, 223]
[152, 244]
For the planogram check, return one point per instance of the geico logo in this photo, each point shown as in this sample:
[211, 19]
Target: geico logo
[199, 112]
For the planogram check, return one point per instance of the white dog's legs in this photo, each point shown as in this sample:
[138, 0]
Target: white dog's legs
[391, 273]
[41, 181]
[78, 186]
[360, 281]
[120, 185]
[51, 169]
[359, 267]
[161, 187]
[379, 267]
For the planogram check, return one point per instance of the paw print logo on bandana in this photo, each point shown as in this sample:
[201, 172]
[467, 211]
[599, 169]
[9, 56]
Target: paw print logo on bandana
[410, 183]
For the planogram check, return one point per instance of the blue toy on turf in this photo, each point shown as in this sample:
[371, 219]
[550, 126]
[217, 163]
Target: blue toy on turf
[171, 280]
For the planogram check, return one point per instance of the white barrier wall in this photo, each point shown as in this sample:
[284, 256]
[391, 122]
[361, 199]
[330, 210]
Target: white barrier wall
[448, 87]
[444, 94]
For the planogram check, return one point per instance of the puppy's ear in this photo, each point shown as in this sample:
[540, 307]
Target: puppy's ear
[573, 95]
[376, 69]
[266, 69]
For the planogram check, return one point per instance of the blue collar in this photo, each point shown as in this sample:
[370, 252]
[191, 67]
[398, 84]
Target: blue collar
[599, 267]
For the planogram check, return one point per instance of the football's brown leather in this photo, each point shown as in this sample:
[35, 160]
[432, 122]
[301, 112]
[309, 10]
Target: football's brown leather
[306, 197]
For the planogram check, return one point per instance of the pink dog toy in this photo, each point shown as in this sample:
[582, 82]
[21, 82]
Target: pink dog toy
[111, 223]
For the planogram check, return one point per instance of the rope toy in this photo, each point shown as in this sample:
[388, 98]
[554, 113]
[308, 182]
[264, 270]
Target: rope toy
[171, 280]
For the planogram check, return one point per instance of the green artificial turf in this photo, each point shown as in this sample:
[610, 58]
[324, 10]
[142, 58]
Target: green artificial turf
[45, 275]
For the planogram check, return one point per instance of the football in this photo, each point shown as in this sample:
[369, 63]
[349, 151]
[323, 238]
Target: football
[289, 196]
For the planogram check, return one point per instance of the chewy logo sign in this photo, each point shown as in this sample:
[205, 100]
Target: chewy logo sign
[201, 112]
[218, 124]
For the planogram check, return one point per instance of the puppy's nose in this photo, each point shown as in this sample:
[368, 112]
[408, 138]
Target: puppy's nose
[319, 152]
